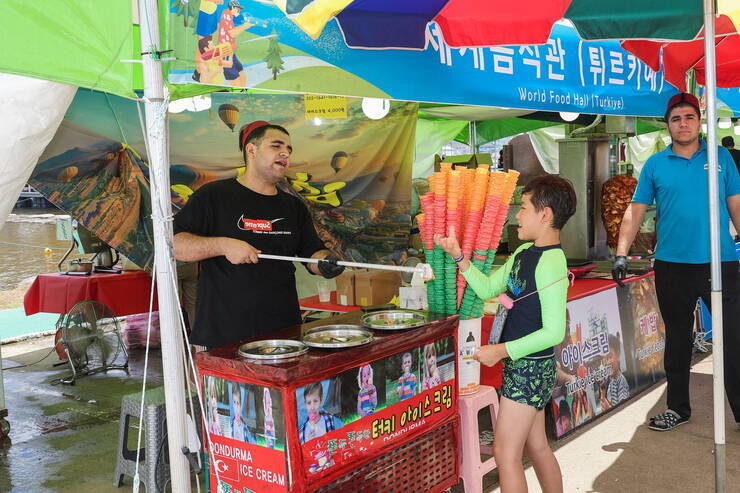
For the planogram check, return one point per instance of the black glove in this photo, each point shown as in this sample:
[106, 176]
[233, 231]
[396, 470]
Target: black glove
[619, 269]
[329, 268]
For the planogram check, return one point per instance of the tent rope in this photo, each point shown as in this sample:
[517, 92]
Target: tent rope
[115, 117]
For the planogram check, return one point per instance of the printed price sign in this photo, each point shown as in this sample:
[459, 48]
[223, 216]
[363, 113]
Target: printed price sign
[325, 107]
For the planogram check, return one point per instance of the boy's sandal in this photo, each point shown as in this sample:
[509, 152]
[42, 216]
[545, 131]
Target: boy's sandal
[667, 421]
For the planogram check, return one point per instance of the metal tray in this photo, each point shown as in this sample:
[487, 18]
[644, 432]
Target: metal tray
[272, 349]
[394, 320]
[337, 336]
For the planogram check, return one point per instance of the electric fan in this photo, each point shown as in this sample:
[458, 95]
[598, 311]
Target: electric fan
[92, 341]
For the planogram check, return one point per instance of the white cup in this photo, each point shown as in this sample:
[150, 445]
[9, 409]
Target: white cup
[324, 290]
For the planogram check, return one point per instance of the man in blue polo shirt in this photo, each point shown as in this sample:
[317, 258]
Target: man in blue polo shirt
[676, 179]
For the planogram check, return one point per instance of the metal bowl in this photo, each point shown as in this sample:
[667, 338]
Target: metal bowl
[272, 349]
[337, 336]
[394, 320]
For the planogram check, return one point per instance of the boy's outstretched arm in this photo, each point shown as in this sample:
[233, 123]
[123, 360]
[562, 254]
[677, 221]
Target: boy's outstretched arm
[488, 286]
[552, 268]
[484, 286]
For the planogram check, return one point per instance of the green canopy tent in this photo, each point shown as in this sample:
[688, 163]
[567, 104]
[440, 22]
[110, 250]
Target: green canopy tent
[97, 41]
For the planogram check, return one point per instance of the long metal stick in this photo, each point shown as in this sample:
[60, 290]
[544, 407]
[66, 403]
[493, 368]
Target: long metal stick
[720, 475]
[419, 268]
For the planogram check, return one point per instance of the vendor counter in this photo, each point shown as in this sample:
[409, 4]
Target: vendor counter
[612, 350]
[376, 417]
[581, 288]
[383, 416]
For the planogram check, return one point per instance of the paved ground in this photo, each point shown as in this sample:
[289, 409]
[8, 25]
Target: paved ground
[64, 437]
[619, 454]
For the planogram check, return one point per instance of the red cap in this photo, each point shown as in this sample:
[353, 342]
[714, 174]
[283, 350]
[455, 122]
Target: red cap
[247, 130]
[682, 98]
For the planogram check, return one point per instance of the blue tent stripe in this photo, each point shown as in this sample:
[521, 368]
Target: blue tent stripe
[388, 23]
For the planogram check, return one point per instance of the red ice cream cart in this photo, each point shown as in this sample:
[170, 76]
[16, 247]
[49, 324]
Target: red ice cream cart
[377, 417]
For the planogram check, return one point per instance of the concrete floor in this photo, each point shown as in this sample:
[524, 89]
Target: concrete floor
[64, 438]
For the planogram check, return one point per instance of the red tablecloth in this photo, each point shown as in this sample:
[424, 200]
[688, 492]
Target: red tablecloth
[124, 294]
[313, 304]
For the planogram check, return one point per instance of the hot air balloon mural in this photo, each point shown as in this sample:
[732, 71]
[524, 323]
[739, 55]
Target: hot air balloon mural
[378, 205]
[67, 174]
[339, 160]
[229, 114]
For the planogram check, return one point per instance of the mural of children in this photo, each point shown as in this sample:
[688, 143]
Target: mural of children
[618, 389]
[239, 429]
[207, 17]
[406, 386]
[319, 422]
[209, 63]
[367, 397]
[231, 25]
[269, 420]
[431, 376]
[214, 425]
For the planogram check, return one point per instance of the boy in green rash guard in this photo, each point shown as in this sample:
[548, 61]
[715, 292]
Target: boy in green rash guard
[535, 277]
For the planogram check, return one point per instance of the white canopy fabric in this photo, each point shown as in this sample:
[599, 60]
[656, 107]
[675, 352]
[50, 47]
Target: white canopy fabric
[639, 147]
[30, 113]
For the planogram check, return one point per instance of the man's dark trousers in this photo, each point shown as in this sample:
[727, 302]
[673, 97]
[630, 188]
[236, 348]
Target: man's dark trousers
[678, 286]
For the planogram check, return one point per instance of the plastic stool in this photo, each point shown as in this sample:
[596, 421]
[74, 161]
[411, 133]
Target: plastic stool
[155, 429]
[471, 467]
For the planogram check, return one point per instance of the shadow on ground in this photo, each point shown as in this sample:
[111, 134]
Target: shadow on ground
[678, 460]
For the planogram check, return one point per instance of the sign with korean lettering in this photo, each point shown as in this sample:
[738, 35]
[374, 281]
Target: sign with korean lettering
[325, 107]
[591, 362]
[613, 349]
[246, 428]
[564, 74]
[367, 408]
[644, 333]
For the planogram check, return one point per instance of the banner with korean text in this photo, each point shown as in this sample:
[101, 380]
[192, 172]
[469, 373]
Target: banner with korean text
[357, 413]
[263, 49]
[613, 350]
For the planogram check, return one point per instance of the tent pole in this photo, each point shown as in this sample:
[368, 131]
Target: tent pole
[716, 265]
[473, 136]
[171, 335]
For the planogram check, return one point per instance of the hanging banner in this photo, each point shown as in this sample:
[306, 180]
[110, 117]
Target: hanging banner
[104, 185]
[730, 97]
[254, 45]
[353, 173]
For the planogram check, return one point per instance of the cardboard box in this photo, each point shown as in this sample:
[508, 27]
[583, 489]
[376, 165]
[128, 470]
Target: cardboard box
[375, 287]
[346, 288]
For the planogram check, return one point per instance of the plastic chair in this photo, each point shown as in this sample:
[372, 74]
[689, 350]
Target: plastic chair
[153, 473]
[471, 467]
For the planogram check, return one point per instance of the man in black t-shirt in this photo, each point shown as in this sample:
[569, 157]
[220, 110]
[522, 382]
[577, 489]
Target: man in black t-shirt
[729, 143]
[226, 223]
